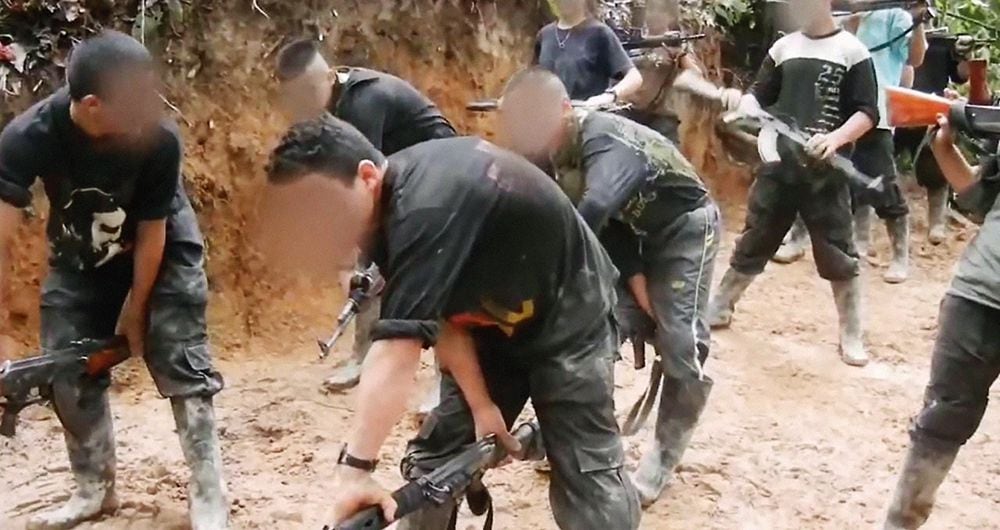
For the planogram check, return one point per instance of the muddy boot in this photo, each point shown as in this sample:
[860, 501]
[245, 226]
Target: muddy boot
[92, 460]
[207, 504]
[344, 377]
[436, 518]
[923, 472]
[899, 236]
[937, 208]
[863, 229]
[720, 309]
[847, 295]
[793, 248]
[681, 404]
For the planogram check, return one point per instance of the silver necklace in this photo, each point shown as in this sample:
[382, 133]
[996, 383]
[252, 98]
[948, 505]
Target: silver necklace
[562, 42]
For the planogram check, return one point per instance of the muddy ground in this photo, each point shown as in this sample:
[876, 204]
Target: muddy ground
[792, 437]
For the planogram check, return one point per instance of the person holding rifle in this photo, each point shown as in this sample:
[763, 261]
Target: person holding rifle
[821, 80]
[486, 261]
[126, 257]
[966, 354]
[391, 113]
[586, 55]
[946, 62]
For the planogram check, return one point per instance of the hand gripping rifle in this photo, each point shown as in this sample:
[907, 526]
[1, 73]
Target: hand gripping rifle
[910, 108]
[29, 381]
[365, 285]
[450, 481]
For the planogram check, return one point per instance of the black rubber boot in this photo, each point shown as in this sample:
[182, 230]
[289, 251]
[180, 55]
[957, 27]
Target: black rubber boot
[923, 472]
[195, 417]
[863, 229]
[720, 309]
[847, 295]
[937, 208]
[90, 442]
[899, 236]
[681, 405]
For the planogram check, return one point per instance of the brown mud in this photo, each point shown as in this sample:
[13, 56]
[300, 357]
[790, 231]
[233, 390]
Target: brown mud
[792, 438]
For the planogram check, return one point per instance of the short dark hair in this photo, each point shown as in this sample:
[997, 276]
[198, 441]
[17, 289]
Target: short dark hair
[295, 57]
[326, 145]
[96, 59]
[534, 76]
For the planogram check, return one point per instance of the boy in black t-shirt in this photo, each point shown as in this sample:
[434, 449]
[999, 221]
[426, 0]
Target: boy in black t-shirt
[391, 113]
[126, 257]
[488, 262]
[820, 79]
[587, 56]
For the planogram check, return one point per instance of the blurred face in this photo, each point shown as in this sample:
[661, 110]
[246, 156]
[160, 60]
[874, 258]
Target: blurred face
[308, 95]
[808, 12]
[572, 8]
[129, 108]
[532, 122]
[314, 224]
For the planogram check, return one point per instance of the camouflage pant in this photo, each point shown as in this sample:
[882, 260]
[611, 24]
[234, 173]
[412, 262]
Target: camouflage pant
[783, 191]
[78, 305]
[571, 393]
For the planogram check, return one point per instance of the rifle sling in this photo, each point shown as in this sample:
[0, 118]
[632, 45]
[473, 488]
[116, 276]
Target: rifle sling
[894, 40]
[640, 410]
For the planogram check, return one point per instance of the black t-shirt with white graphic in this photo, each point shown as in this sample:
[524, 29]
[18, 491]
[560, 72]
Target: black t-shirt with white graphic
[479, 237]
[390, 112]
[818, 83]
[97, 192]
[587, 58]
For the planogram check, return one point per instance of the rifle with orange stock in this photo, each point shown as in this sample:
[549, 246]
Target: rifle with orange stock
[29, 381]
[910, 108]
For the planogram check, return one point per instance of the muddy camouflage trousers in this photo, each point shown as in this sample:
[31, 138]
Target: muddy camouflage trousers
[678, 264]
[965, 364]
[572, 395]
[784, 190]
[79, 305]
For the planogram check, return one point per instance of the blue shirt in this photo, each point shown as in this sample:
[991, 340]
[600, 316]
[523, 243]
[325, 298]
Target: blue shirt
[877, 28]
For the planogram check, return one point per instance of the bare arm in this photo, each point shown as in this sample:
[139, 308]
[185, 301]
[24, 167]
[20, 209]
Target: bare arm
[629, 85]
[854, 128]
[906, 80]
[386, 384]
[918, 46]
[955, 168]
[150, 241]
[637, 284]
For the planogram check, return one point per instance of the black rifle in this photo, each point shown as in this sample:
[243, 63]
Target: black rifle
[861, 6]
[365, 285]
[29, 381]
[975, 120]
[450, 481]
[670, 38]
[493, 105]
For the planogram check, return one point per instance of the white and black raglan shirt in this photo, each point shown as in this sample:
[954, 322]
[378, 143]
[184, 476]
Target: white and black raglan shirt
[818, 83]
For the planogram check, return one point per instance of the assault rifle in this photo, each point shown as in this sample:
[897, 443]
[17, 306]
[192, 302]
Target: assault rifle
[492, 105]
[769, 128]
[670, 38]
[861, 6]
[910, 108]
[29, 381]
[450, 481]
[365, 285]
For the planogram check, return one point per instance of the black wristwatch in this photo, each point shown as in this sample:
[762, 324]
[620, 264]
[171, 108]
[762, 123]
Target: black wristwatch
[346, 459]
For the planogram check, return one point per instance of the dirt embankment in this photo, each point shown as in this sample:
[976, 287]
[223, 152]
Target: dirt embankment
[218, 75]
